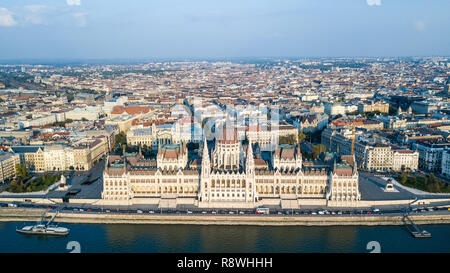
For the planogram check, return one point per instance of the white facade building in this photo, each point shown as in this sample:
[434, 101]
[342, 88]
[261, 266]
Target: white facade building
[229, 175]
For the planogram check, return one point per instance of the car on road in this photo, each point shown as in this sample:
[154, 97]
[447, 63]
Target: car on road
[241, 212]
[139, 211]
[375, 210]
[203, 212]
[313, 213]
[231, 212]
[151, 212]
[107, 211]
[189, 212]
[213, 212]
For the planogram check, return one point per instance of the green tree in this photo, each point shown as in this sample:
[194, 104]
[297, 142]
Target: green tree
[22, 171]
[404, 178]
[120, 139]
[290, 139]
[318, 149]
[301, 136]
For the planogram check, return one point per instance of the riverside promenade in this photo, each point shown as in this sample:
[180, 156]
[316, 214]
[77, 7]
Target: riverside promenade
[27, 214]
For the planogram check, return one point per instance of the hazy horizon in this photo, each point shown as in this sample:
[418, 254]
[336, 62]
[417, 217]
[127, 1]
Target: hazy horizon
[200, 29]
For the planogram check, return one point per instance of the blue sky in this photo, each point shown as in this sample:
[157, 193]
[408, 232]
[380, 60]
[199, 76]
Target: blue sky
[97, 29]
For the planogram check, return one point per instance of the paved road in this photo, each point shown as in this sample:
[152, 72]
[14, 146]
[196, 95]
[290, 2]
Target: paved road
[88, 191]
[72, 208]
[371, 188]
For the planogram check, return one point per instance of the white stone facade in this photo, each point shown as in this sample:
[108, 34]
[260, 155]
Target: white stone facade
[230, 174]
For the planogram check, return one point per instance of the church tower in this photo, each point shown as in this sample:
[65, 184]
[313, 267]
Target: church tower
[205, 176]
[250, 186]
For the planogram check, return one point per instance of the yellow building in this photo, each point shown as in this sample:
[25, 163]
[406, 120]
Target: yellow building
[8, 163]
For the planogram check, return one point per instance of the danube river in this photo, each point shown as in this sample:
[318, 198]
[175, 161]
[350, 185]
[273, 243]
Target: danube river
[191, 238]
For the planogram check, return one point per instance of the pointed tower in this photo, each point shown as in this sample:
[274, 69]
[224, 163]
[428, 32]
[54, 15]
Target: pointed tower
[298, 157]
[203, 194]
[206, 163]
[124, 159]
[355, 167]
[250, 161]
[250, 176]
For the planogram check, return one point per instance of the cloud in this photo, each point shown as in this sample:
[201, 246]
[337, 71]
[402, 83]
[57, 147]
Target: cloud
[73, 2]
[419, 25]
[6, 18]
[29, 15]
[37, 14]
[373, 2]
[80, 19]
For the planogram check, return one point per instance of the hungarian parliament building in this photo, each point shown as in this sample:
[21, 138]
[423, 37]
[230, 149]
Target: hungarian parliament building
[228, 173]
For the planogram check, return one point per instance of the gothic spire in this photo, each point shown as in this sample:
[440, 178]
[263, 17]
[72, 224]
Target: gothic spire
[250, 164]
[205, 159]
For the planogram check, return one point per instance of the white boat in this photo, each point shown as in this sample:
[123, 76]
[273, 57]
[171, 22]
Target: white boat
[44, 229]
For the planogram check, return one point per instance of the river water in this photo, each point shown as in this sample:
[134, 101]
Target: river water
[130, 238]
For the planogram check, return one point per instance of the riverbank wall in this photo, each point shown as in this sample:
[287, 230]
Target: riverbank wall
[24, 215]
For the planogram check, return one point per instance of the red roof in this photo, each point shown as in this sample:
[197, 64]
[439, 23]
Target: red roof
[132, 110]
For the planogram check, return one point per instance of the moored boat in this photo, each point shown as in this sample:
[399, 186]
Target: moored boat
[44, 229]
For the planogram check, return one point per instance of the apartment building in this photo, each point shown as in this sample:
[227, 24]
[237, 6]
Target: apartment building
[8, 163]
[445, 166]
[59, 157]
